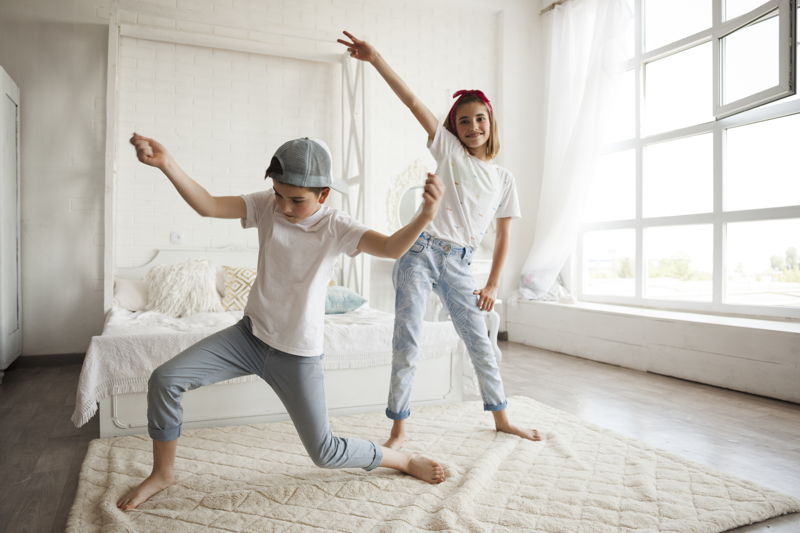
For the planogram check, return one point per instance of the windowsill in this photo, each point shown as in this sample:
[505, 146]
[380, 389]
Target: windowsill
[786, 326]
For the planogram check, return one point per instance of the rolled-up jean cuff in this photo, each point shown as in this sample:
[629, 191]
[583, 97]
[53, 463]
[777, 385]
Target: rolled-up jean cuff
[164, 434]
[398, 416]
[377, 460]
[496, 407]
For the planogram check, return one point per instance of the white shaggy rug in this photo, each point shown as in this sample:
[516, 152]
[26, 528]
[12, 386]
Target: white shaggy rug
[581, 478]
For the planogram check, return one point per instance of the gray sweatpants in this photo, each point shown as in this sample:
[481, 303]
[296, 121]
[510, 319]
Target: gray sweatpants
[298, 381]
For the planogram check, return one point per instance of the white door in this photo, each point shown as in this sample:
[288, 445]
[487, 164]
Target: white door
[10, 297]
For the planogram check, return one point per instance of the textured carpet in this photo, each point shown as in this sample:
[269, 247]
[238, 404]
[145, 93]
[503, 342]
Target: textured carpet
[582, 478]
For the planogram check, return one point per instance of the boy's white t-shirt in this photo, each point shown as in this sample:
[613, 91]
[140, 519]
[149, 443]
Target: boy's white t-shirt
[295, 261]
[475, 192]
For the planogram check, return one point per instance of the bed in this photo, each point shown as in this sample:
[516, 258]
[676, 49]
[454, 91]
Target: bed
[118, 362]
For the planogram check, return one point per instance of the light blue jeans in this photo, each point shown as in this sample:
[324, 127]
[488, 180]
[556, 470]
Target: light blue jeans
[441, 266]
[298, 381]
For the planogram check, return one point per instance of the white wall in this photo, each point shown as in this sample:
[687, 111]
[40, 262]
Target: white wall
[56, 50]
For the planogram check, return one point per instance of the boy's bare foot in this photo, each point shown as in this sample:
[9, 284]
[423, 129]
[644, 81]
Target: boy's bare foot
[142, 493]
[426, 469]
[530, 434]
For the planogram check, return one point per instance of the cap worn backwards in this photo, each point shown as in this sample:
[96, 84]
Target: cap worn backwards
[305, 162]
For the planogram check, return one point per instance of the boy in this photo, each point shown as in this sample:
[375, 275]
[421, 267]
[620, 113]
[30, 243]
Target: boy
[280, 336]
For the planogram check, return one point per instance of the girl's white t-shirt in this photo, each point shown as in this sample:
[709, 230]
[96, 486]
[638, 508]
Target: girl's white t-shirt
[295, 262]
[475, 192]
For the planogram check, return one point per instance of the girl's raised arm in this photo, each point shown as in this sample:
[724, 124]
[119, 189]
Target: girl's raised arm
[366, 52]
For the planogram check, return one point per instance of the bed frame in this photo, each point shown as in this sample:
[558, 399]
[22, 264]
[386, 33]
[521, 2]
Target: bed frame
[348, 391]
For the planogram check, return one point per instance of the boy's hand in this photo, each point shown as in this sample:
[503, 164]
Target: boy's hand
[150, 152]
[432, 196]
[359, 49]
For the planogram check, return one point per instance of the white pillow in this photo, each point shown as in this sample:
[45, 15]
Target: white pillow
[130, 294]
[183, 289]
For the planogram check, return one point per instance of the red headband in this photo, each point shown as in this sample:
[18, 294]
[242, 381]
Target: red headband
[461, 94]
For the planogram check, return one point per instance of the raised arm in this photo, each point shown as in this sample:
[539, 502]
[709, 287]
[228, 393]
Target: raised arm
[398, 243]
[366, 52]
[151, 152]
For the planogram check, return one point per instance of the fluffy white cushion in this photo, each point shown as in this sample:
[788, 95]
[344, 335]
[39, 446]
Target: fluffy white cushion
[183, 289]
[130, 294]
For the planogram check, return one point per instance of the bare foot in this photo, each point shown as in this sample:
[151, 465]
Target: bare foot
[395, 442]
[426, 469]
[142, 493]
[530, 434]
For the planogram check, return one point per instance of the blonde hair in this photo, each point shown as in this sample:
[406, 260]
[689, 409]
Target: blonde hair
[493, 142]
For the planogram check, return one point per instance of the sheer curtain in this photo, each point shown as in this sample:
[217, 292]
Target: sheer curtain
[586, 49]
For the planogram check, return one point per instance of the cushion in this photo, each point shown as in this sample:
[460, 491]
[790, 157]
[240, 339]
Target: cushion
[183, 289]
[238, 281]
[130, 294]
[341, 300]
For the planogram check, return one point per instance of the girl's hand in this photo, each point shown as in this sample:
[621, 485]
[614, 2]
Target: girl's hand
[486, 298]
[359, 49]
[432, 196]
[150, 152]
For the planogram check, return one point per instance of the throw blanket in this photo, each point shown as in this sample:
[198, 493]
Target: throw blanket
[132, 345]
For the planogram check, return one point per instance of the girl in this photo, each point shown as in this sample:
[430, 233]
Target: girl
[476, 190]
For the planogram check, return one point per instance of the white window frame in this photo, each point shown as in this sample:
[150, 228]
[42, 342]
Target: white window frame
[718, 218]
[787, 60]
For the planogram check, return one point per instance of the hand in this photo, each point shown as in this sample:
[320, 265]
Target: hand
[150, 152]
[358, 49]
[486, 298]
[432, 196]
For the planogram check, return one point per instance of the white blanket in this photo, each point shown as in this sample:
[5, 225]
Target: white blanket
[132, 345]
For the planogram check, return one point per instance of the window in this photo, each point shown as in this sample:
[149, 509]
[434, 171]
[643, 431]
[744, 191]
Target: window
[696, 205]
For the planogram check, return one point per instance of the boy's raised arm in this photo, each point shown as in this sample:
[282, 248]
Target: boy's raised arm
[366, 52]
[398, 243]
[151, 152]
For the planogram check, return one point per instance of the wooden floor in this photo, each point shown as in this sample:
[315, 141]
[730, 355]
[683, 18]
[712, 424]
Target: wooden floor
[748, 436]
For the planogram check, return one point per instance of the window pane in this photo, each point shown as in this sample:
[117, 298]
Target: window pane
[763, 267]
[678, 177]
[750, 60]
[613, 195]
[678, 260]
[761, 166]
[624, 105]
[609, 262]
[678, 90]
[666, 21]
[734, 8]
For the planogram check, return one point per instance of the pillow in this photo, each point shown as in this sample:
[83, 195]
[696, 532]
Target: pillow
[341, 300]
[130, 294]
[183, 289]
[238, 282]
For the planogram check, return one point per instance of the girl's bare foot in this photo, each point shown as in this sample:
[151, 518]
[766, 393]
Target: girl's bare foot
[397, 437]
[395, 442]
[530, 434]
[425, 469]
[153, 484]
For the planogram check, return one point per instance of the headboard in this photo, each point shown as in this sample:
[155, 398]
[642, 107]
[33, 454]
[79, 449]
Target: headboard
[230, 256]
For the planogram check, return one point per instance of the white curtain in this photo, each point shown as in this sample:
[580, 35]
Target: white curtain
[585, 55]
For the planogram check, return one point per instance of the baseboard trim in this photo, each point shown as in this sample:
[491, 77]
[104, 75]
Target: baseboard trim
[29, 361]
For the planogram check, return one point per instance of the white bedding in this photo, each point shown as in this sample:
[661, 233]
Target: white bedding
[133, 344]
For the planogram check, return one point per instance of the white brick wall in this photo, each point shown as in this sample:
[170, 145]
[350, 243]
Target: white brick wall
[222, 113]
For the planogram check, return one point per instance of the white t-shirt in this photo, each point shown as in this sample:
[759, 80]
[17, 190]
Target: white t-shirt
[475, 192]
[295, 261]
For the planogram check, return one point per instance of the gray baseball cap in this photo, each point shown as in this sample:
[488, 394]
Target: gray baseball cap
[304, 162]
